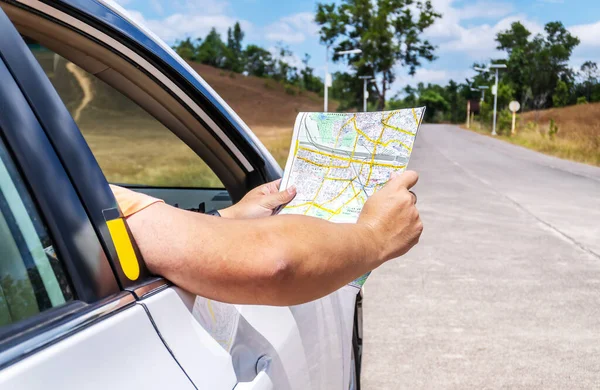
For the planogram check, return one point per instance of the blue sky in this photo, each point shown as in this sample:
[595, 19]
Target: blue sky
[464, 34]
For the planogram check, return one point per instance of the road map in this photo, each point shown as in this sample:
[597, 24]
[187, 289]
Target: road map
[337, 161]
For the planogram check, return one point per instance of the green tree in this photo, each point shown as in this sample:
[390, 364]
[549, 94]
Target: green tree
[561, 94]
[389, 33]
[309, 81]
[345, 89]
[186, 49]
[436, 105]
[258, 61]
[451, 92]
[589, 74]
[535, 65]
[212, 51]
[234, 60]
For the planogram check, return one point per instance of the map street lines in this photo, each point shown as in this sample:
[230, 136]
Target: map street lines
[337, 161]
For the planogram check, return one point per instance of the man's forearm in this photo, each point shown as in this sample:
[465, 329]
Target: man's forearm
[281, 260]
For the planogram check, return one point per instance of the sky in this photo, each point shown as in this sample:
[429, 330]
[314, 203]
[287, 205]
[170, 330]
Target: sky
[463, 35]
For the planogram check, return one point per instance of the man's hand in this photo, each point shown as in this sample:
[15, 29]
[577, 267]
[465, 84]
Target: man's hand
[392, 218]
[260, 202]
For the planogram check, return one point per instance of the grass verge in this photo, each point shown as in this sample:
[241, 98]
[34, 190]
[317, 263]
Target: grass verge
[574, 145]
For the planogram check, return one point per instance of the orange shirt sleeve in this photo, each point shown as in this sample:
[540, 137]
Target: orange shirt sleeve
[130, 202]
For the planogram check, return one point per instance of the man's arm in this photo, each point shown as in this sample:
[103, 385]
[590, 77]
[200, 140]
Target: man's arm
[279, 260]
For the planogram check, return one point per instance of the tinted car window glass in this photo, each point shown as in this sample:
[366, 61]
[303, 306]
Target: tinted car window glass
[130, 145]
[32, 278]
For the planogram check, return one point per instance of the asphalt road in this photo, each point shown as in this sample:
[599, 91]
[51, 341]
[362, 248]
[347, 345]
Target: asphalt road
[503, 291]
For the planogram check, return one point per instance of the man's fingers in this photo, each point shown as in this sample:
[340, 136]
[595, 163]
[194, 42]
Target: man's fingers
[406, 179]
[279, 198]
[272, 187]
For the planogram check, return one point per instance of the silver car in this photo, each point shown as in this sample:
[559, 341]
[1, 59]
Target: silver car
[88, 97]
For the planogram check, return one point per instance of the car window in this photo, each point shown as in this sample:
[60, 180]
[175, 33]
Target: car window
[130, 145]
[32, 278]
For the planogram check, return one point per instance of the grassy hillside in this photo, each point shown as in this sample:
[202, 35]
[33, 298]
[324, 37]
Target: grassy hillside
[132, 147]
[575, 136]
[578, 136]
[269, 108]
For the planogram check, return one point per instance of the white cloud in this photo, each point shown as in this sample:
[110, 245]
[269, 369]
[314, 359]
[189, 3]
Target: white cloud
[479, 42]
[589, 34]
[179, 25]
[476, 40]
[292, 60]
[293, 28]
[201, 7]
[485, 10]
[157, 7]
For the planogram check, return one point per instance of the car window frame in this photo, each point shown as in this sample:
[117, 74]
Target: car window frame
[158, 69]
[95, 286]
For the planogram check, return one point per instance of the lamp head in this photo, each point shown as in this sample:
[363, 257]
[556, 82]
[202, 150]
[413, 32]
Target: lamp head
[353, 51]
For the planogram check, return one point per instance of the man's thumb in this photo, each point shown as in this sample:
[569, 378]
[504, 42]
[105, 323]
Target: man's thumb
[277, 199]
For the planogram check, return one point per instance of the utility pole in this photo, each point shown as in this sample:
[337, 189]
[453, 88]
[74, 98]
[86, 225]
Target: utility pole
[497, 67]
[468, 114]
[495, 92]
[482, 89]
[327, 77]
[328, 81]
[365, 80]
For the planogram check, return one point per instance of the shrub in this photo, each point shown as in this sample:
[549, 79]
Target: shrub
[552, 129]
[504, 122]
[231, 75]
[290, 90]
[531, 126]
[582, 100]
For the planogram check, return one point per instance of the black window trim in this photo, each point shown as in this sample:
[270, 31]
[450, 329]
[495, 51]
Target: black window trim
[67, 223]
[51, 188]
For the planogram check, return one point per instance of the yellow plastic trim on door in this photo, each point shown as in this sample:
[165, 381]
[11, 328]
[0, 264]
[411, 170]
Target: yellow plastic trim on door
[122, 242]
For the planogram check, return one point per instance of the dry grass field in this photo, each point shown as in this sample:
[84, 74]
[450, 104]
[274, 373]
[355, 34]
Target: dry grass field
[578, 136]
[134, 148]
[577, 139]
[268, 107]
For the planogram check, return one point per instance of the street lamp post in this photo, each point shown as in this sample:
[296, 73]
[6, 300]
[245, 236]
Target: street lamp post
[328, 80]
[482, 89]
[365, 80]
[497, 67]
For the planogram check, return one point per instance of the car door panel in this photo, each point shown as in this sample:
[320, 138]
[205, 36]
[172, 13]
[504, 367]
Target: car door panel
[207, 364]
[308, 346]
[278, 327]
[123, 351]
[325, 328]
[100, 338]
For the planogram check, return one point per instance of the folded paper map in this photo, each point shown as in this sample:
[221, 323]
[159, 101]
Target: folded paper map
[337, 161]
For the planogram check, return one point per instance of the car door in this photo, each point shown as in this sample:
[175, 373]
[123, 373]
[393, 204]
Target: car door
[92, 44]
[64, 320]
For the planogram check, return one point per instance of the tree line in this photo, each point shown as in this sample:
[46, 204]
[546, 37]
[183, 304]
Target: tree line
[538, 76]
[252, 59]
[390, 35]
